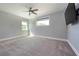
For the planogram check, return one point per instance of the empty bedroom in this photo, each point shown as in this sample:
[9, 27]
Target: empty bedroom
[39, 29]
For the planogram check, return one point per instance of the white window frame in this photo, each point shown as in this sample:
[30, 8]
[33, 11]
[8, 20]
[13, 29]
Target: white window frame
[43, 22]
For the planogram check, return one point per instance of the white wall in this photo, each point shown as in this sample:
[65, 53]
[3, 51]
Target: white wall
[57, 27]
[10, 25]
[73, 36]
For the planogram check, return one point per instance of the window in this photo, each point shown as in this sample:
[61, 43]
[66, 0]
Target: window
[24, 26]
[43, 22]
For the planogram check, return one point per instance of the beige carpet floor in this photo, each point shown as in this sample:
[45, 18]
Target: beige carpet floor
[35, 46]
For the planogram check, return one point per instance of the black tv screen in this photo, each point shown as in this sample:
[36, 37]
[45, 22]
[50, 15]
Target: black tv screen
[70, 14]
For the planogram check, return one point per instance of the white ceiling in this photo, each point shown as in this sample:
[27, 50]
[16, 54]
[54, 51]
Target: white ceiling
[20, 8]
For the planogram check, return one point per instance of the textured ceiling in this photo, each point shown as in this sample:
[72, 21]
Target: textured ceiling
[20, 8]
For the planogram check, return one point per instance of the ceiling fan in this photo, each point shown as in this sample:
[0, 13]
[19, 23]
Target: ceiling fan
[32, 11]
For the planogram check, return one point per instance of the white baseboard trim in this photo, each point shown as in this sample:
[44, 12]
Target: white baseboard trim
[11, 37]
[51, 38]
[73, 48]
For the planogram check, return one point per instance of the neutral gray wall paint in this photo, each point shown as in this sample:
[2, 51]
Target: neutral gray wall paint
[73, 35]
[57, 27]
[10, 25]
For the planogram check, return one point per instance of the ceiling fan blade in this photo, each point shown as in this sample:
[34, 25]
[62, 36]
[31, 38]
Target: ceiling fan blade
[34, 13]
[35, 10]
